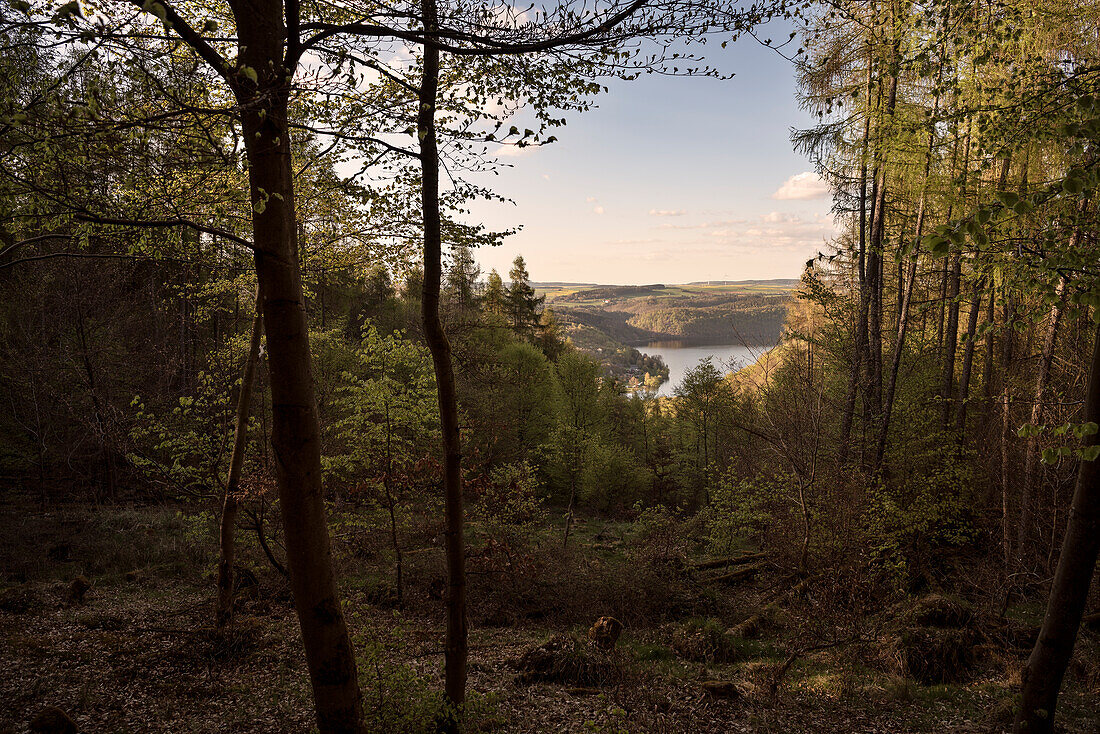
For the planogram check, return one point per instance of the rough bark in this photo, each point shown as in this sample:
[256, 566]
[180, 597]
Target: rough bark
[455, 647]
[230, 508]
[1069, 591]
[295, 430]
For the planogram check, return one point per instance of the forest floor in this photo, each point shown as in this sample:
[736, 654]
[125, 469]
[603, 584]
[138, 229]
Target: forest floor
[139, 655]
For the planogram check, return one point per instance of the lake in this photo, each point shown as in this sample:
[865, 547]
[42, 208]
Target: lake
[682, 355]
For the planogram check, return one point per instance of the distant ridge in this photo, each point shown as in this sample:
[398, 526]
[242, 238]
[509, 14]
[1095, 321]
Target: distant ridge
[772, 281]
[566, 284]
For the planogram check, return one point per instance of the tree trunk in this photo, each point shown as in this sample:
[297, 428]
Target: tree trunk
[904, 297]
[224, 610]
[1046, 357]
[951, 332]
[968, 358]
[295, 430]
[455, 649]
[875, 268]
[1069, 591]
[859, 336]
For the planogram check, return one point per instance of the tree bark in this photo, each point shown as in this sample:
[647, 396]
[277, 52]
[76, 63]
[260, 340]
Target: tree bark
[1069, 591]
[859, 336]
[455, 647]
[968, 358]
[904, 297]
[1046, 358]
[295, 430]
[230, 509]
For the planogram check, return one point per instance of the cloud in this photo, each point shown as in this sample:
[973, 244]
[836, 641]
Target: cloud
[777, 217]
[667, 212]
[511, 150]
[598, 210]
[807, 185]
[591, 199]
[702, 225]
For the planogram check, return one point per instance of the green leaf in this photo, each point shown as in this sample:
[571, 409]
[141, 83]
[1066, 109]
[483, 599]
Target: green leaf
[150, 6]
[1089, 453]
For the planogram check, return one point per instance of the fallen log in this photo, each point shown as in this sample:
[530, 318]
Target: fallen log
[740, 574]
[729, 561]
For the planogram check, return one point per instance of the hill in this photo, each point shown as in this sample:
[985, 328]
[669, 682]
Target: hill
[750, 312]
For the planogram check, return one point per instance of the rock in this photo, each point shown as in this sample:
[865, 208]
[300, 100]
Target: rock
[77, 590]
[721, 688]
[53, 720]
[704, 640]
[565, 660]
[749, 629]
[933, 655]
[605, 632]
[245, 582]
[936, 610]
[933, 641]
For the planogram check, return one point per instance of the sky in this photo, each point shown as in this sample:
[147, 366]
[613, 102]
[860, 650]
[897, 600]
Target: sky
[669, 180]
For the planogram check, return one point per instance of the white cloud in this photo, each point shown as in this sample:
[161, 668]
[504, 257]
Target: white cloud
[591, 199]
[807, 185]
[598, 210]
[510, 150]
[667, 212]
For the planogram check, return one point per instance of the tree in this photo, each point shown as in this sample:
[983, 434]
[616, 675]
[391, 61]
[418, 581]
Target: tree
[521, 303]
[700, 397]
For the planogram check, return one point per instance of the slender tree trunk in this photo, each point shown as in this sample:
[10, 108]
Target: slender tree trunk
[875, 263]
[951, 332]
[859, 337]
[108, 488]
[455, 645]
[951, 336]
[295, 429]
[905, 295]
[1046, 358]
[230, 509]
[1069, 591]
[990, 351]
[968, 358]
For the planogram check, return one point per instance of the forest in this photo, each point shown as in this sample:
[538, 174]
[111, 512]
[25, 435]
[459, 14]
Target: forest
[276, 455]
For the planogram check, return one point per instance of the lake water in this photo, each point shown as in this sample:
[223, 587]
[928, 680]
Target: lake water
[683, 355]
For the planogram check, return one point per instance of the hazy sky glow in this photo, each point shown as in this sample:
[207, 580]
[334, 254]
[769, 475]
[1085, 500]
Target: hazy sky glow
[670, 180]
